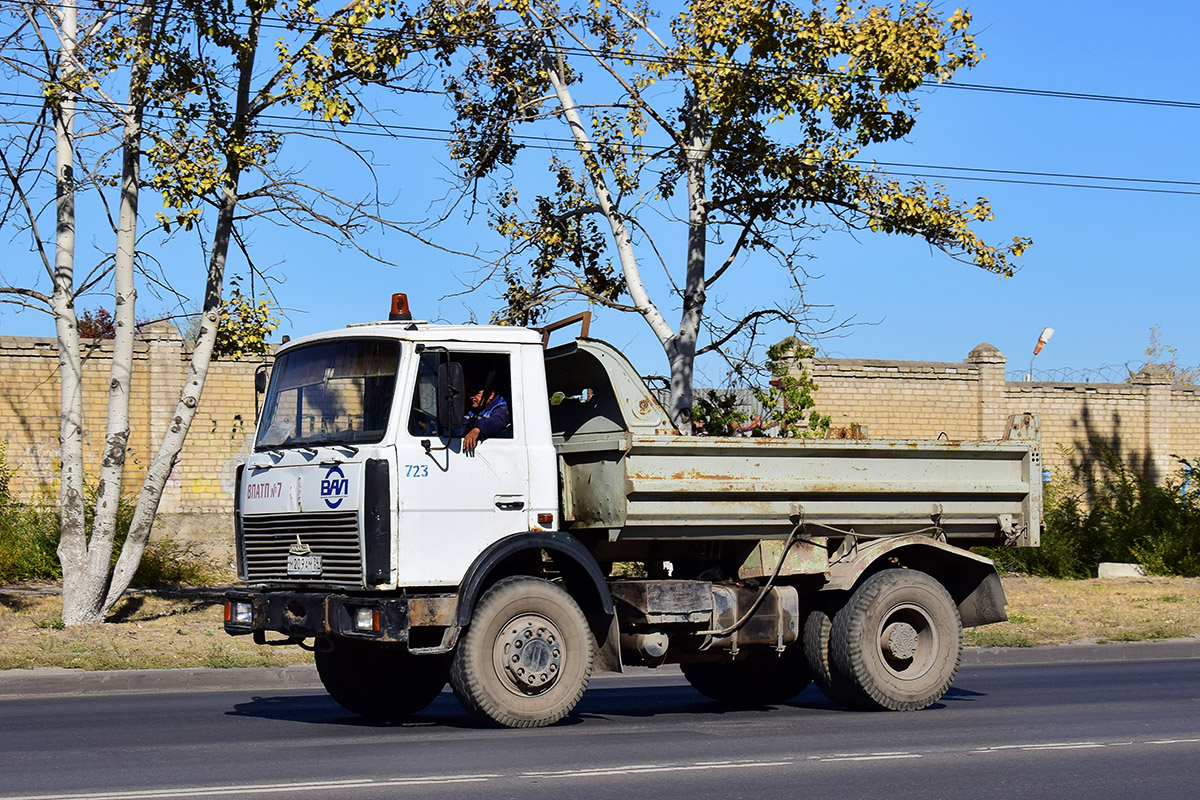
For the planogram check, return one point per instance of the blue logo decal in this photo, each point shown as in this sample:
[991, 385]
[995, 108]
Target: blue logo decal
[335, 487]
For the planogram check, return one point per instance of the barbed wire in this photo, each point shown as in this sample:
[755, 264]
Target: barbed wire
[1107, 373]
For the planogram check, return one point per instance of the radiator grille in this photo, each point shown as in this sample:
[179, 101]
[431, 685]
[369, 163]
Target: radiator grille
[333, 537]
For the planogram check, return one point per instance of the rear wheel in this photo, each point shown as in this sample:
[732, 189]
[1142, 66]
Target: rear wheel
[760, 677]
[526, 659]
[380, 681]
[898, 640]
[818, 629]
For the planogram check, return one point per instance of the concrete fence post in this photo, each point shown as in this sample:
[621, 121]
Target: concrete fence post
[1156, 384]
[991, 410]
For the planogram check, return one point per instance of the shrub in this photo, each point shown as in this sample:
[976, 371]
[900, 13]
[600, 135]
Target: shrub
[27, 548]
[168, 562]
[5, 476]
[717, 414]
[29, 544]
[787, 404]
[1117, 515]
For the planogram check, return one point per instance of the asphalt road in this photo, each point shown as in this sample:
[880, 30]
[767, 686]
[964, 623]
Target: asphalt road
[1082, 730]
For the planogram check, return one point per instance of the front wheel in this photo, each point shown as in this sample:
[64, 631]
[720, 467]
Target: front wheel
[526, 658]
[898, 640]
[762, 677]
[380, 681]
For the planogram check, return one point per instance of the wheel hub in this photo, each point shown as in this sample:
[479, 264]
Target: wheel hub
[529, 654]
[901, 639]
[908, 641]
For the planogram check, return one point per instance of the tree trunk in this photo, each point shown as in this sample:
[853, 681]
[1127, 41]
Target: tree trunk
[79, 594]
[87, 574]
[681, 350]
[622, 238]
[185, 411]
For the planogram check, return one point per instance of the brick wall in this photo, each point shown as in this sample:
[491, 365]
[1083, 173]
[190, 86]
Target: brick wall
[1147, 420]
[198, 498]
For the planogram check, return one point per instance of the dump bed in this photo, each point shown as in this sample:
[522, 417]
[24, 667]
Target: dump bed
[626, 470]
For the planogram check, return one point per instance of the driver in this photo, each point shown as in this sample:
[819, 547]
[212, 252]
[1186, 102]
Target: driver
[487, 415]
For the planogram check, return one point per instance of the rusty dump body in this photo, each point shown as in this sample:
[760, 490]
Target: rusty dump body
[627, 473]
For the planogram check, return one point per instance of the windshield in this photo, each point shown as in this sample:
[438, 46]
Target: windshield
[332, 393]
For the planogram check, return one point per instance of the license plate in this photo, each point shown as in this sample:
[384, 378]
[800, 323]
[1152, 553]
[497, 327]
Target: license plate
[304, 565]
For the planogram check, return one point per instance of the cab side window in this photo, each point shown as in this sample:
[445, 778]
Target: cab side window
[489, 383]
[486, 373]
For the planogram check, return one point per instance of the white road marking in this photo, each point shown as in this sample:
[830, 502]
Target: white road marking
[1039, 746]
[331, 786]
[644, 769]
[858, 755]
[573, 772]
[262, 788]
[880, 757]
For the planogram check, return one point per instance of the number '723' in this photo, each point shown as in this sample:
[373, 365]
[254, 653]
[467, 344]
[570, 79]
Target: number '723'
[416, 471]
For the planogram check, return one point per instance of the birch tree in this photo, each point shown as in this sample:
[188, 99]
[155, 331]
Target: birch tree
[741, 122]
[212, 73]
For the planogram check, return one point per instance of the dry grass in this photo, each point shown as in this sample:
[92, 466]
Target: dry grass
[147, 631]
[1046, 611]
[155, 631]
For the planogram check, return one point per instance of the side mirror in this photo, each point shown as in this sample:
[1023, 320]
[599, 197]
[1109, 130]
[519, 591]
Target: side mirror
[451, 395]
[260, 387]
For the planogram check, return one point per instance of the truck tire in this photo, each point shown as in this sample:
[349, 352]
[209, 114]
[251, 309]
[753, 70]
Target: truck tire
[818, 629]
[898, 641]
[380, 681]
[762, 677]
[526, 658]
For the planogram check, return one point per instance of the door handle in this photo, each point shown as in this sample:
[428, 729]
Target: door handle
[509, 505]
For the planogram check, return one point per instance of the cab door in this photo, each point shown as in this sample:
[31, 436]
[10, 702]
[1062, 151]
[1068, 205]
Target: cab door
[453, 505]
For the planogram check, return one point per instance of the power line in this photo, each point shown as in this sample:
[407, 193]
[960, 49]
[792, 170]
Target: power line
[565, 143]
[1055, 184]
[1043, 174]
[280, 24]
[1061, 95]
[939, 171]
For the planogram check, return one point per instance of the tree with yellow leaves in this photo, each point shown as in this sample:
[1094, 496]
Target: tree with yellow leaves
[180, 94]
[743, 120]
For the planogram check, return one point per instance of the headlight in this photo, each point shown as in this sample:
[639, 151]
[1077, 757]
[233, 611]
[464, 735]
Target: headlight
[366, 619]
[238, 611]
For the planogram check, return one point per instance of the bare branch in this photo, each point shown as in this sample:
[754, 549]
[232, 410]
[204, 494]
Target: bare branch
[29, 293]
[19, 191]
[733, 254]
[632, 90]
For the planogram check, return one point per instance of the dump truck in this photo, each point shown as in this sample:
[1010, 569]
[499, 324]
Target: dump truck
[591, 534]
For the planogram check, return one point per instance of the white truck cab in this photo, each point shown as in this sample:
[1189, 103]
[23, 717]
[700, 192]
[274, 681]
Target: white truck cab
[360, 405]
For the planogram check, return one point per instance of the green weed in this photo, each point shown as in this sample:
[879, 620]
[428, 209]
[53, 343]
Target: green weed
[996, 636]
[1110, 512]
[29, 543]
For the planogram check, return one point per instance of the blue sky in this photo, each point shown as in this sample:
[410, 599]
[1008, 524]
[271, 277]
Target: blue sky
[1104, 268]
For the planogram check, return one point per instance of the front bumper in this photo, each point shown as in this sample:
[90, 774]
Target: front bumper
[302, 615]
